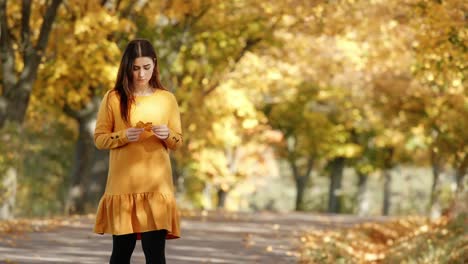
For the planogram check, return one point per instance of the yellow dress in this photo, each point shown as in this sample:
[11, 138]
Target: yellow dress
[139, 194]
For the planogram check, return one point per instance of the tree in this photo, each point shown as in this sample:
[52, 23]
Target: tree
[18, 76]
[208, 42]
[441, 54]
[306, 135]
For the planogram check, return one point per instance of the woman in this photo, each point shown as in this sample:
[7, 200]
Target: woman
[139, 122]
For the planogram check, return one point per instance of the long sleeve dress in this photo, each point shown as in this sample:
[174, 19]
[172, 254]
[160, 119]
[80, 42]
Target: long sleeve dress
[139, 193]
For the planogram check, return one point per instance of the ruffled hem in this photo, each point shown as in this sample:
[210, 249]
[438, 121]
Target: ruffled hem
[137, 213]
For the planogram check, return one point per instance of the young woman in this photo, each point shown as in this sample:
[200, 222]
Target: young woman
[139, 121]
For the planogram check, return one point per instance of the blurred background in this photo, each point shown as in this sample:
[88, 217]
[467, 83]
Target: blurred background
[347, 106]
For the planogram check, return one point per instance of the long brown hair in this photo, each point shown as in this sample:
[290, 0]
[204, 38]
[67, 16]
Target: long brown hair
[124, 83]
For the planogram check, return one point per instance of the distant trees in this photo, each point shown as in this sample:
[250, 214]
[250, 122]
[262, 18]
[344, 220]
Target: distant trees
[347, 84]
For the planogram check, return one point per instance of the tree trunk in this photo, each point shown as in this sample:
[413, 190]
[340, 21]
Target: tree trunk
[336, 176]
[460, 173]
[17, 86]
[435, 163]
[231, 154]
[361, 197]
[433, 199]
[301, 182]
[386, 192]
[222, 194]
[99, 171]
[387, 160]
[8, 193]
[81, 172]
[12, 141]
[459, 181]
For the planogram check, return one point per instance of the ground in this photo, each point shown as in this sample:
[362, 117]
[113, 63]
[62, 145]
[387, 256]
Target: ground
[207, 237]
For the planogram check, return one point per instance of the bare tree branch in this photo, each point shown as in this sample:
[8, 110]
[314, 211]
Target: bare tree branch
[6, 51]
[250, 43]
[202, 13]
[26, 30]
[189, 23]
[32, 57]
[46, 27]
[88, 110]
[18, 98]
[25, 17]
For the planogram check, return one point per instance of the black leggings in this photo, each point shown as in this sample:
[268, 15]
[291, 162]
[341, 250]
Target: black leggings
[153, 244]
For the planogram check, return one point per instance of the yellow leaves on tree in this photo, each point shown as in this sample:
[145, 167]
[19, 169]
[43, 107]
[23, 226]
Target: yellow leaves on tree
[441, 44]
[84, 61]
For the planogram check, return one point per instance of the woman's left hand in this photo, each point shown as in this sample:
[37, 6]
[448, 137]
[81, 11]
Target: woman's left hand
[161, 131]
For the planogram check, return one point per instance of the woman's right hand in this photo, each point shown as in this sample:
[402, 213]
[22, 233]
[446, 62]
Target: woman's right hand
[133, 133]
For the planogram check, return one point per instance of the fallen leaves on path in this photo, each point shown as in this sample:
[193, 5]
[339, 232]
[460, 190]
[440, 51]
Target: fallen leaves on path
[17, 229]
[16, 226]
[407, 239]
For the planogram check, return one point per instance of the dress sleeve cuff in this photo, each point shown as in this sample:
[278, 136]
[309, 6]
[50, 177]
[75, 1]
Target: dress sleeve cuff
[121, 136]
[174, 140]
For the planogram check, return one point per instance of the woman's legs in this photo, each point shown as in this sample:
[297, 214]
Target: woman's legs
[154, 243]
[122, 248]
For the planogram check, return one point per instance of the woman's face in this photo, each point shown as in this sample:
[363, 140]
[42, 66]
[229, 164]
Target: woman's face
[142, 70]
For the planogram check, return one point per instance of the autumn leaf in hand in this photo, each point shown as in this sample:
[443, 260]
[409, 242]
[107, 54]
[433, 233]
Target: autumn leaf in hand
[147, 126]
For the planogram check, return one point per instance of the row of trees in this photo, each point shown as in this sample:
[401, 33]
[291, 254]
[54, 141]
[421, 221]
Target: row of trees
[347, 83]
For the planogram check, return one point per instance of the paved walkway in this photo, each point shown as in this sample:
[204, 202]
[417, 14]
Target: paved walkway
[213, 238]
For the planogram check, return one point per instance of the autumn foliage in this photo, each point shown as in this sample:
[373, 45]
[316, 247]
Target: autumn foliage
[296, 93]
[404, 240]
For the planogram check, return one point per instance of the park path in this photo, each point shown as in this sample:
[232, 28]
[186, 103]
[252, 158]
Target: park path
[209, 237]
